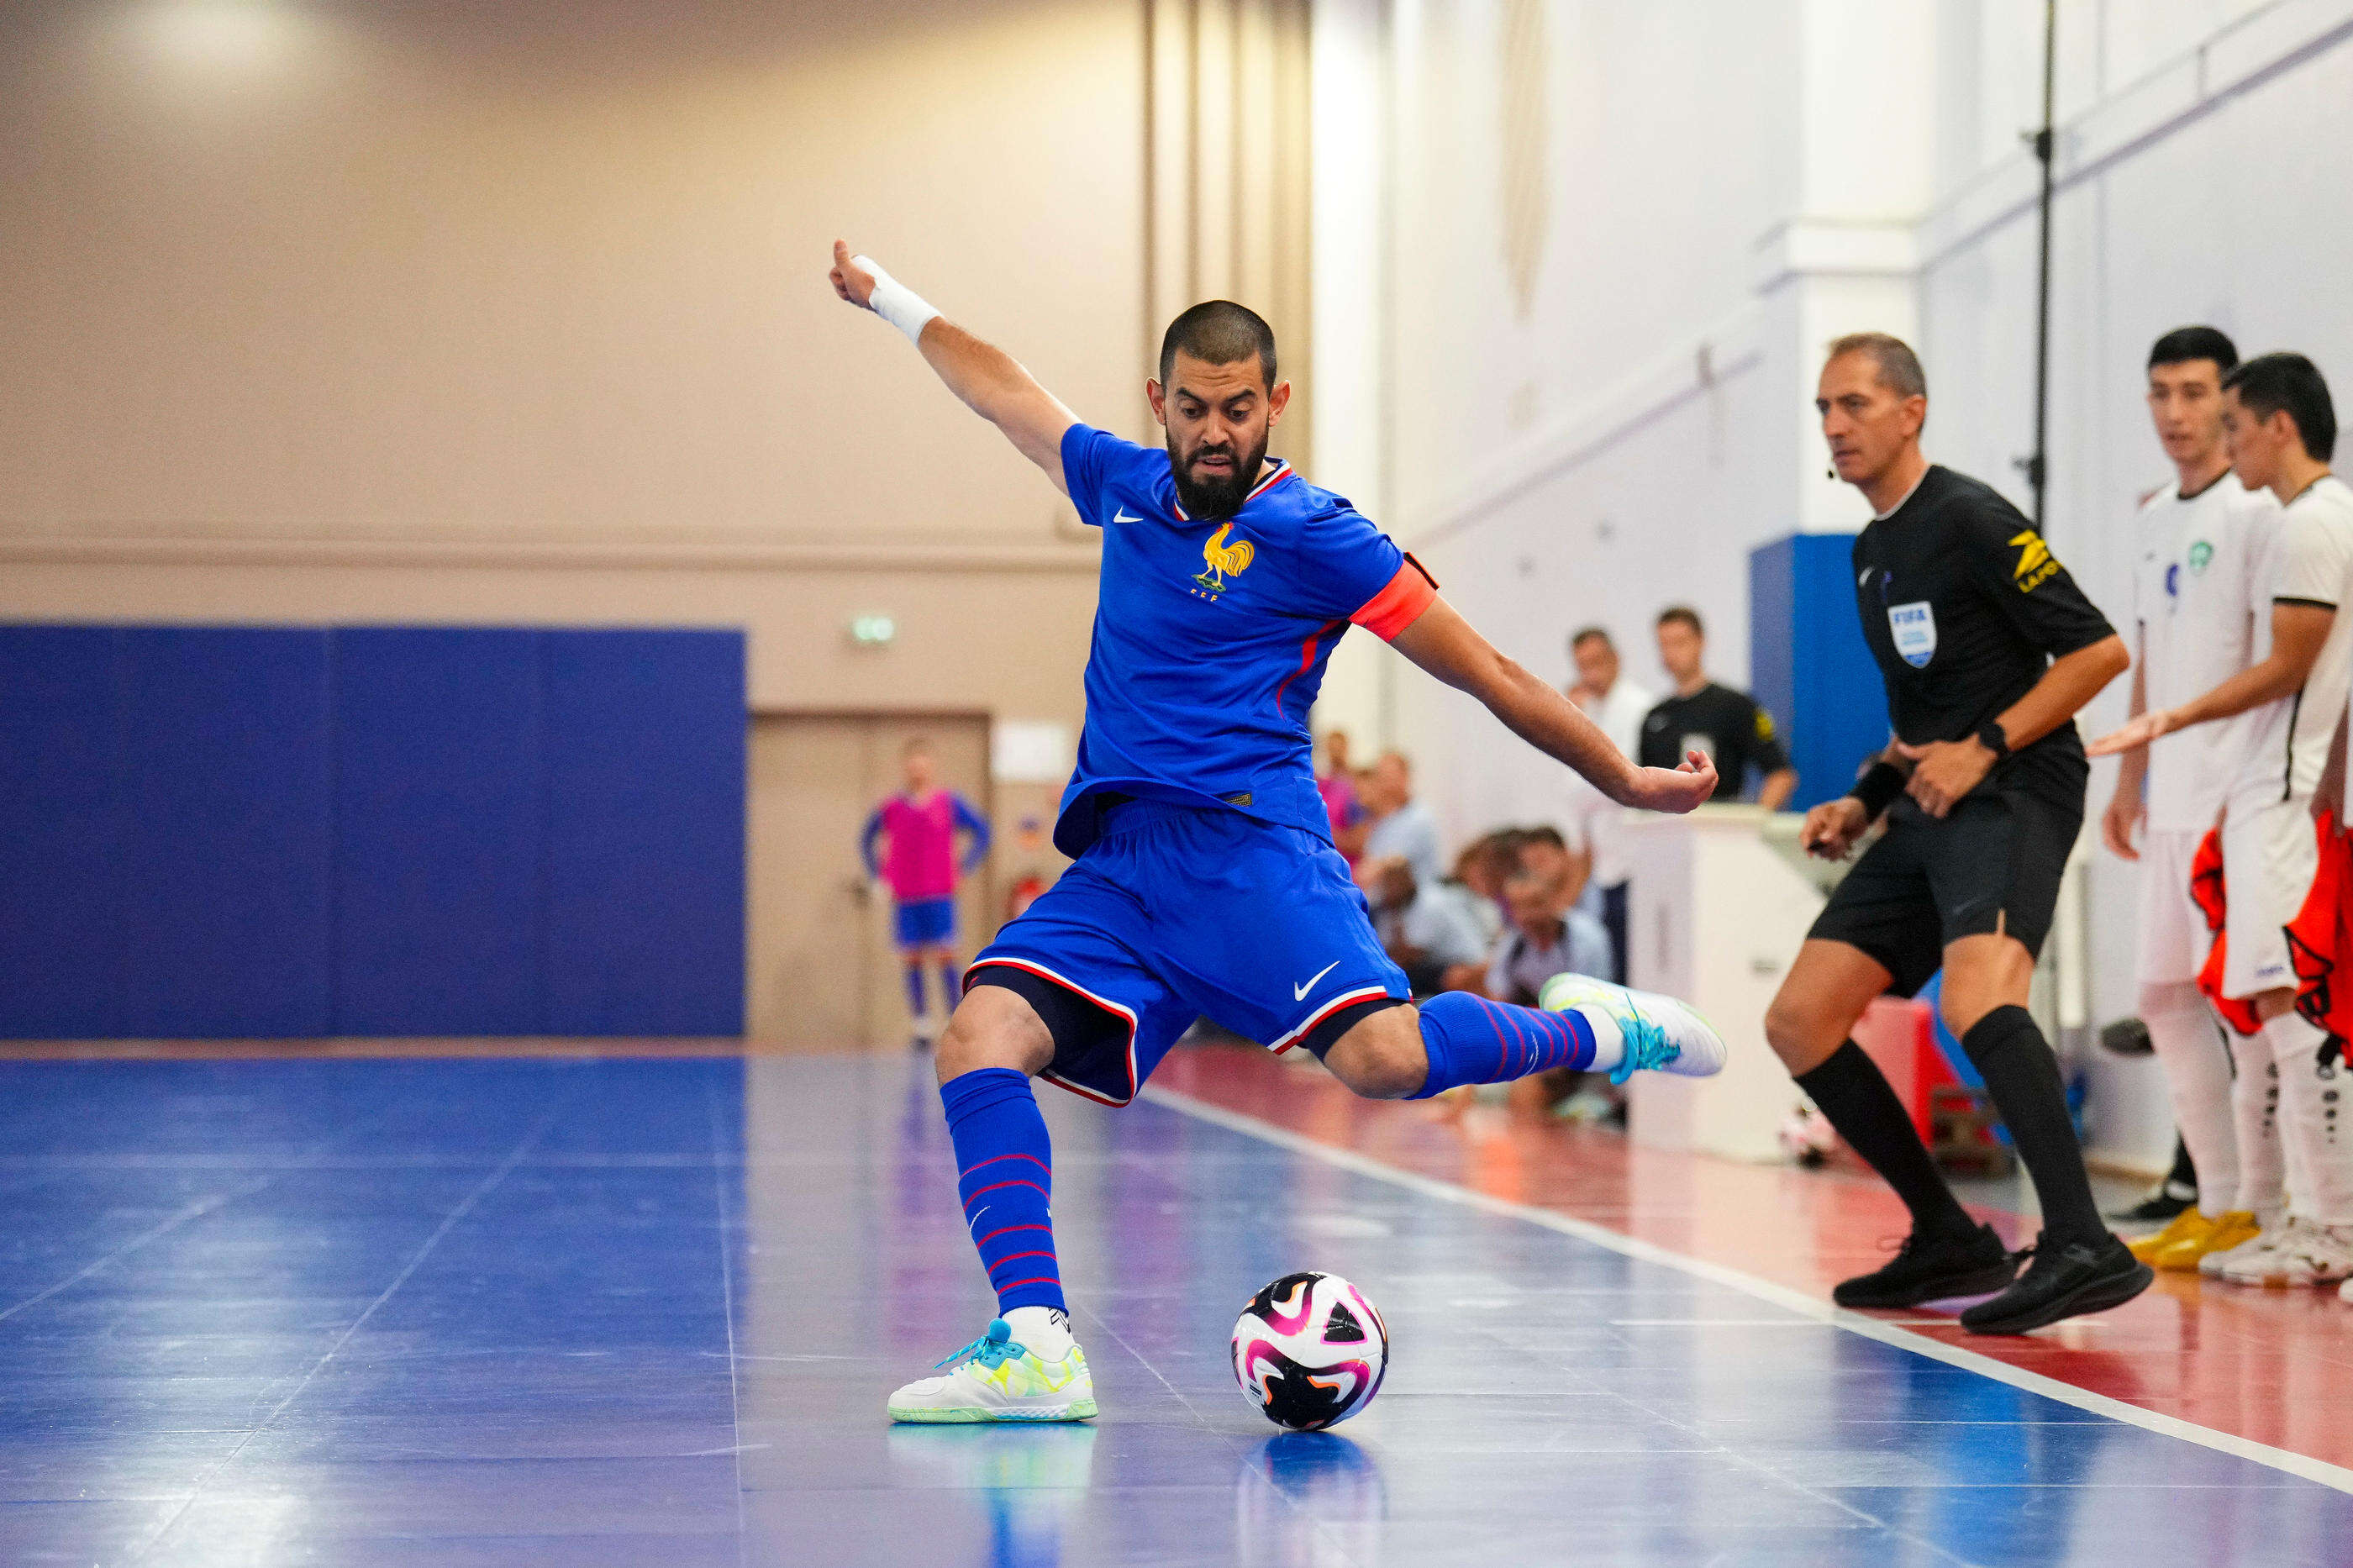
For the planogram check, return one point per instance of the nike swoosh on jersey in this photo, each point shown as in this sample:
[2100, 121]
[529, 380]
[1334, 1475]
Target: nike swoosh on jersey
[1120, 515]
[1299, 993]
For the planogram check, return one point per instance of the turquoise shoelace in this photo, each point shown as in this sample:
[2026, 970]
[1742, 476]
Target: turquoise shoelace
[992, 1350]
[1646, 1047]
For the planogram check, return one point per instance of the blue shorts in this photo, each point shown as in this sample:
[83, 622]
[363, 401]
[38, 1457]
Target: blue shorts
[1178, 912]
[926, 922]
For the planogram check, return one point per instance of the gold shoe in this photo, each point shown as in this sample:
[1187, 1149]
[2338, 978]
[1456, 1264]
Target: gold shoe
[2224, 1233]
[2188, 1229]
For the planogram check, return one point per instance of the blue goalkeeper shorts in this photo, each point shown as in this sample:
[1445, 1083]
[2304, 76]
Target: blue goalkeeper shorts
[1178, 912]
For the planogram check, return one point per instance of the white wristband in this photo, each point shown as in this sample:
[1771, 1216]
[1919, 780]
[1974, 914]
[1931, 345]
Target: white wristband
[896, 303]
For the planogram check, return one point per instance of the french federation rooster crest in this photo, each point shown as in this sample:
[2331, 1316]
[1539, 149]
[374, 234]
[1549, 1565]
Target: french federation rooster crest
[1222, 559]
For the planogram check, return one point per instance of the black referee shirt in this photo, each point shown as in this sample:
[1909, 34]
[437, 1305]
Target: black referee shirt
[1728, 725]
[1964, 607]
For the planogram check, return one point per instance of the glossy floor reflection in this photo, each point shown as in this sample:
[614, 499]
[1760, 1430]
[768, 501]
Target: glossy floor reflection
[595, 1312]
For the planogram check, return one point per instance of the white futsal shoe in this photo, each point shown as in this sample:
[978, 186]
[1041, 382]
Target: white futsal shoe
[998, 1378]
[2304, 1254]
[1656, 1032]
[2265, 1237]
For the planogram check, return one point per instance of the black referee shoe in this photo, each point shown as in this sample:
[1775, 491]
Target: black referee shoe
[2063, 1282]
[1932, 1268]
[2165, 1200]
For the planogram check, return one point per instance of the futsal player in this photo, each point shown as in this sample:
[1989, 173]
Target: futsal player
[919, 827]
[1986, 649]
[2203, 589]
[2281, 428]
[1205, 880]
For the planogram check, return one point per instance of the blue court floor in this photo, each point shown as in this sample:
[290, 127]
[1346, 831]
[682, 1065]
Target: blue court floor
[594, 1312]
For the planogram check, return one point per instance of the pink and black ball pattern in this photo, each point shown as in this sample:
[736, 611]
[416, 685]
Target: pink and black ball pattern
[1309, 1350]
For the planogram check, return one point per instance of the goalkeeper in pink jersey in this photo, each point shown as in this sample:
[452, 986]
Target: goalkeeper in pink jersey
[918, 827]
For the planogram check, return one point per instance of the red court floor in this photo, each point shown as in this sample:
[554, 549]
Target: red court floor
[2274, 1367]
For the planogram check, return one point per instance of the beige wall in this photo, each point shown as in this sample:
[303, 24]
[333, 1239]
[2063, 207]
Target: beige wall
[414, 310]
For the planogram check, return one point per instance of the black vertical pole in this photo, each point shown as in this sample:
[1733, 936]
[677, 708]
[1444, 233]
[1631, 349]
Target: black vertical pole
[2038, 467]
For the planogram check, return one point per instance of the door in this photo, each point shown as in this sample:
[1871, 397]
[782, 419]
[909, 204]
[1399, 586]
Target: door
[821, 969]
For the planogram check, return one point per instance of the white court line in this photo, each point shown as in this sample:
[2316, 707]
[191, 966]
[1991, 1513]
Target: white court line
[1820, 1312]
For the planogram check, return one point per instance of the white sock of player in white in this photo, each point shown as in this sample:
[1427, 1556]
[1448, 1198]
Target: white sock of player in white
[2313, 1133]
[2188, 1042]
[2255, 1121]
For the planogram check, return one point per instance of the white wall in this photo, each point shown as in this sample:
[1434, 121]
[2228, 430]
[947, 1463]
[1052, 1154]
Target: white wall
[1747, 181]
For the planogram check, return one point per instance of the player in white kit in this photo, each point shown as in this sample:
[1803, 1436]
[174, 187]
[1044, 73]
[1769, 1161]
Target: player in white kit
[2200, 590]
[2281, 428]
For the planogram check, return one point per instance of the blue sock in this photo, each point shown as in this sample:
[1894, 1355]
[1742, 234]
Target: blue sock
[1004, 1173]
[915, 989]
[1473, 1040]
[949, 988]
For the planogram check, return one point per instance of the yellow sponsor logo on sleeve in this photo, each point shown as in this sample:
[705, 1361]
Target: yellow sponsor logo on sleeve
[2036, 565]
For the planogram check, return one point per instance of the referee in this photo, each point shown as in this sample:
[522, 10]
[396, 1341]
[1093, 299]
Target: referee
[1987, 648]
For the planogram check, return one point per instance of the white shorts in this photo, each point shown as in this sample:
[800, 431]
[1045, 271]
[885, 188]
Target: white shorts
[2173, 935]
[2270, 854]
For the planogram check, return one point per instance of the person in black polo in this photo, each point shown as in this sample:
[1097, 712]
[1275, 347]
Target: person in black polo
[1728, 725]
[1986, 649]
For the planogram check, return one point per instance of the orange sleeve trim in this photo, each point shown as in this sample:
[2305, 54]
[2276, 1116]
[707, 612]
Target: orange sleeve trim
[1400, 603]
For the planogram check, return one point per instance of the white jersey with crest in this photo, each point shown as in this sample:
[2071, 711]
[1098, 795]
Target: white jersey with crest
[2312, 564]
[2202, 596]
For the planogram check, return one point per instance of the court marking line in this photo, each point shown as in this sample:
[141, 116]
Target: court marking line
[727, 1310]
[2305, 1465]
[465, 1205]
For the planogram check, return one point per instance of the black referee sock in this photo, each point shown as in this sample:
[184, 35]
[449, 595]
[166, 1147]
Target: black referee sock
[1854, 1094]
[2021, 1077]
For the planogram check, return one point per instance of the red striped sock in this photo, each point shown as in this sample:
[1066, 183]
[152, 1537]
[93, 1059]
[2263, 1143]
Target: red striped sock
[1005, 1174]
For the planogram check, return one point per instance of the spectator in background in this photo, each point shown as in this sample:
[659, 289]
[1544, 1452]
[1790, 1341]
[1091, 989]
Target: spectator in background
[1337, 784]
[1485, 865]
[1546, 938]
[1728, 725]
[1428, 931]
[1401, 826]
[1545, 854]
[1619, 706]
[1608, 698]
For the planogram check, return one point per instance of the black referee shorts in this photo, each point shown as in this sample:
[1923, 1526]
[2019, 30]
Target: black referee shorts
[1991, 866]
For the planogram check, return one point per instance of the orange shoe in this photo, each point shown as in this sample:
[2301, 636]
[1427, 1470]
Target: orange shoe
[2189, 1227]
[2222, 1234]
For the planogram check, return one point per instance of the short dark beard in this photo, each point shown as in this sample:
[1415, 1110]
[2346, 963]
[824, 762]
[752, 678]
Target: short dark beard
[1209, 503]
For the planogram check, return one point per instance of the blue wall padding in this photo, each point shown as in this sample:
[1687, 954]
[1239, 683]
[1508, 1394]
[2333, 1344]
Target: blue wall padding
[439, 803]
[59, 816]
[645, 843]
[227, 832]
[1808, 663]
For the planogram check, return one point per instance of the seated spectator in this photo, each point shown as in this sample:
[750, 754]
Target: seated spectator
[1429, 933]
[1487, 863]
[1547, 856]
[1546, 937]
[1401, 825]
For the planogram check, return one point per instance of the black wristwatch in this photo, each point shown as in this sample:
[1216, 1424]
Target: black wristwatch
[1993, 740]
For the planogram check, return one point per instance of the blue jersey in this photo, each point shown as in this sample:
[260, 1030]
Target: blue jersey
[1210, 638]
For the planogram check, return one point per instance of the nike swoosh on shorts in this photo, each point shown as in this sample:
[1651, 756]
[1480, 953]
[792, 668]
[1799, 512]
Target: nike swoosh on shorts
[1299, 993]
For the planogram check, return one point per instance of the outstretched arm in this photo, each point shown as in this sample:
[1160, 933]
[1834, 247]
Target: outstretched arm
[2297, 632]
[989, 380]
[1444, 644]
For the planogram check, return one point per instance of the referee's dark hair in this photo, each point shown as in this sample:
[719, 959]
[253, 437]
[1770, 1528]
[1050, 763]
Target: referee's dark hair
[2271, 384]
[1219, 331]
[2183, 345]
[1684, 613]
[1577, 638]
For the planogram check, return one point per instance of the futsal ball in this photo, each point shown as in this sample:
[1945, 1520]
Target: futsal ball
[1309, 1350]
